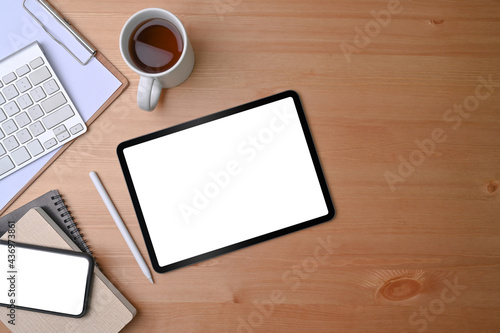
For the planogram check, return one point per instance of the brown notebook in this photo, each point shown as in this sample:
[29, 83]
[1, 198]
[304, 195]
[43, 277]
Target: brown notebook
[53, 204]
[108, 310]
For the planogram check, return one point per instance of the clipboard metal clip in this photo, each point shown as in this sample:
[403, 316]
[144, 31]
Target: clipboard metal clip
[88, 47]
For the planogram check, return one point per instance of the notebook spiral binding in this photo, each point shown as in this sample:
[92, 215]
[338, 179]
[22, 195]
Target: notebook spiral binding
[71, 224]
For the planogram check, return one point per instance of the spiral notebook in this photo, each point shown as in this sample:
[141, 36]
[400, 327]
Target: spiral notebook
[108, 310]
[53, 204]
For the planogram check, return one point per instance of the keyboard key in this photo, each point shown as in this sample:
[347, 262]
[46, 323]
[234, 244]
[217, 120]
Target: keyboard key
[2, 150]
[2, 116]
[51, 86]
[23, 84]
[10, 92]
[37, 128]
[37, 94]
[9, 78]
[61, 133]
[35, 148]
[11, 108]
[63, 136]
[40, 75]
[22, 119]
[24, 101]
[24, 69]
[1, 134]
[76, 129]
[20, 156]
[11, 143]
[5, 165]
[36, 63]
[2, 100]
[9, 127]
[35, 112]
[59, 129]
[24, 136]
[57, 117]
[53, 102]
[50, 143]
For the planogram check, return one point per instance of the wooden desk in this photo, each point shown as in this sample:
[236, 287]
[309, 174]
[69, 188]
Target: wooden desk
[409, 138]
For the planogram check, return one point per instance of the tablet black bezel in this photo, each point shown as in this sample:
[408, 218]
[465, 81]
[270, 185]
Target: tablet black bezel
[203, 120]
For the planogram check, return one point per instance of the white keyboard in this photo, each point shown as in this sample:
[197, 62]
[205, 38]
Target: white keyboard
[36, 114]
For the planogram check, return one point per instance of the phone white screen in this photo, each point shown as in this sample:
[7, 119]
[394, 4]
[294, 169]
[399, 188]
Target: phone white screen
[43, 280]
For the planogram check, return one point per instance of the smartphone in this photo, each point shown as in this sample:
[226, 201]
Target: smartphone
[44, 279]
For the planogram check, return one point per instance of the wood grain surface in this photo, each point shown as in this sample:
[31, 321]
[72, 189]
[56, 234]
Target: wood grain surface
[402, 98]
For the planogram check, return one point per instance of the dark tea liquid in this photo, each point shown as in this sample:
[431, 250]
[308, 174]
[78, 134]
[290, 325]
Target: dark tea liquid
[155, 45]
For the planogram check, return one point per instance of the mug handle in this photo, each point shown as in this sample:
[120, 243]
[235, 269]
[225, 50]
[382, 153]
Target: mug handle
[148, 93]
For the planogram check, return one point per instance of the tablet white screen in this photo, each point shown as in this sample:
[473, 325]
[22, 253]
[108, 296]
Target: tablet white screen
[225, 181]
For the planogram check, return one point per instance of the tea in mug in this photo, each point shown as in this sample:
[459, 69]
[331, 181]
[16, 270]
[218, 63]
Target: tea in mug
[155, 45]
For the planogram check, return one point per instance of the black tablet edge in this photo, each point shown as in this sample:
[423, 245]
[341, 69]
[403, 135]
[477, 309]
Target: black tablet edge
[205, 119]
[88, 283]
[208, 118]
[243, 244]
[137, 208]
[314, 157]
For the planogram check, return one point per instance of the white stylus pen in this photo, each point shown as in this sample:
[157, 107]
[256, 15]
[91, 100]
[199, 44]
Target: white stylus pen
[121, 226]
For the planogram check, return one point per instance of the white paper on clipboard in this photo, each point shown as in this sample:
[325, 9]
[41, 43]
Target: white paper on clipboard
[89, 86]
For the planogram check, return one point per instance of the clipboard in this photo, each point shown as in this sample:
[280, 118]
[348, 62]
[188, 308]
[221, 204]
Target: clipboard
[122, 82]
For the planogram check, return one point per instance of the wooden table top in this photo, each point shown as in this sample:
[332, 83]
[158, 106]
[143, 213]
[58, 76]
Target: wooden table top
[402, 98]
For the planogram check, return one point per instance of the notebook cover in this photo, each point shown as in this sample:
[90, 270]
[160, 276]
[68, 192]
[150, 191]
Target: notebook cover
[108, 310]
[53, 204]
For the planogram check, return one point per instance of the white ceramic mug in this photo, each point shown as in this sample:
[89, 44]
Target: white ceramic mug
[151, 84]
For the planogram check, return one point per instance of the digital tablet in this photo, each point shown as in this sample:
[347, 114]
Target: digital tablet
[225, 181]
